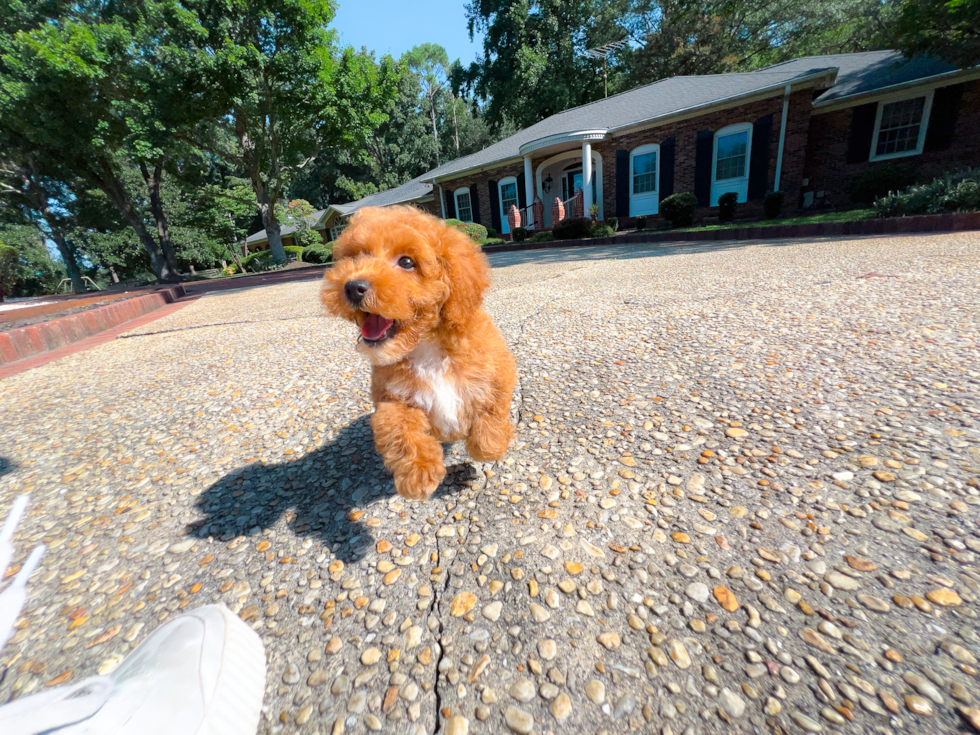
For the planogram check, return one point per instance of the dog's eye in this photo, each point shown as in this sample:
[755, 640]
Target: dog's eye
[406, 263]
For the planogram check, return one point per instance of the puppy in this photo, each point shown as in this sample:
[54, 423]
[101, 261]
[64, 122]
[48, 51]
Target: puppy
[440, 370]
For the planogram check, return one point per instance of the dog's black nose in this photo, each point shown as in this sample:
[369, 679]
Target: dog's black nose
[355, 291]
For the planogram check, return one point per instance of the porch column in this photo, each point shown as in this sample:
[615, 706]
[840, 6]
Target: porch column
[528, 190]
[586, 177]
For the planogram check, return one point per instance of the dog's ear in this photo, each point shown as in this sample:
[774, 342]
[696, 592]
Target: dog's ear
[467, 275]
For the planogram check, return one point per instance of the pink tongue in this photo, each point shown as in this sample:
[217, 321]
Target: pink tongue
[375, 326]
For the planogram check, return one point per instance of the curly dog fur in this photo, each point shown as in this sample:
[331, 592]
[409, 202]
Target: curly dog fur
[440, 369]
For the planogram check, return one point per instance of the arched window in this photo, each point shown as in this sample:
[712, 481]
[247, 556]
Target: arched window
[645, 180]
[730, 163]
[464, 206]
[507, 189]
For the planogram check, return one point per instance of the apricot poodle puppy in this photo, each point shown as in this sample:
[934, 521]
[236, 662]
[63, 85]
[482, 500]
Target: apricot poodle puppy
[440, 370]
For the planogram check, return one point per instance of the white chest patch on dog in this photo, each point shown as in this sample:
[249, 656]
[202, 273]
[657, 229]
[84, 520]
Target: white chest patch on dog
[438, 395]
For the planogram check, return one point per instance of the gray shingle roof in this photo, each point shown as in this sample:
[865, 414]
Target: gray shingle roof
[284, 229]
[659, 99]
[867, 72]
[407, 192]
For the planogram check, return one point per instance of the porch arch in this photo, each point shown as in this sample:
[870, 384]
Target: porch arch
[572, 155]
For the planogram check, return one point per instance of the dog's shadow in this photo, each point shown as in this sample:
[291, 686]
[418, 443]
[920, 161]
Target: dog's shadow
[315, 493]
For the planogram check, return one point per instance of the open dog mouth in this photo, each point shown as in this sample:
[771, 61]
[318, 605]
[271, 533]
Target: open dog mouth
[376, 329]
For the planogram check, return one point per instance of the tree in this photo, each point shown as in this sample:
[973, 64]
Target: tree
[431, 64]
[949, 29]
[67, 88]
[39, 273]
[10, 269]
[281, 91]
[24, 187]
[298, 214]
[533, 63]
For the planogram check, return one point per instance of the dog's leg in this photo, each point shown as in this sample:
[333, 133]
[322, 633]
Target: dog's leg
[490, 435]
[414, 458]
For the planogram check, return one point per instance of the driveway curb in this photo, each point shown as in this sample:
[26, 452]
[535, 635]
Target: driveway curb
[36, 339]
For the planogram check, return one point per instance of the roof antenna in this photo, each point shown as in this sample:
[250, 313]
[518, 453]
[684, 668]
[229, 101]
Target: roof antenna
[602, 52]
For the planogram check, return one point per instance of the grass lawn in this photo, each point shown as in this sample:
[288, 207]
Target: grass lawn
[849, 216]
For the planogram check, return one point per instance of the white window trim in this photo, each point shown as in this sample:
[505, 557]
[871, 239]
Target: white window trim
[504, 224]
[729, 130]
[649, 148]
[923, 126]
[463, 190]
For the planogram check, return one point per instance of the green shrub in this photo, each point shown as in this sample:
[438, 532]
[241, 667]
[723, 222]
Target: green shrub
[519, 234]
[319, 253]
[613, 222]
[477, 233]
[572, 228]
[296, 250]
[229, 270]
[727, 204]
[546, 236]
[679, 209]
[878, 181]
[258, 261]
[772, 205]
[601, 230]
[959, 192]
[493, 241]
[641, 222]
[492, 233]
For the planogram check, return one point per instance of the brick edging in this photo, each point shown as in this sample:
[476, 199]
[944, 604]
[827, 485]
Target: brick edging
[35, 339]
[952, 222]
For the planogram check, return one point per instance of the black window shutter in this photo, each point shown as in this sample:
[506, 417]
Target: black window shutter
[862, 131]
[703, 153]
[942, 119]
[622, 183]
[759, 158]
[475, 204]
[522, 196]
[667, 167]
[450, 205]
[494, 205]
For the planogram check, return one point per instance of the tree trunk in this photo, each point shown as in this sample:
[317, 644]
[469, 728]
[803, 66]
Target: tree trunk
[113, 189]
[68, 256]
[159, 216]
[455, 128]
[272, 228]
[435, 132]
[267, 206]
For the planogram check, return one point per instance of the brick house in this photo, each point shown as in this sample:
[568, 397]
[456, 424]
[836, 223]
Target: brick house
[805, 127]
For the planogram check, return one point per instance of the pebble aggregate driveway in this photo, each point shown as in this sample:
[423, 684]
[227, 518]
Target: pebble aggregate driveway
[743, 498]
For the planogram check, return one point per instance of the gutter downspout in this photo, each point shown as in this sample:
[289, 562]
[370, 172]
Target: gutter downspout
[442, 201]
[782, 137]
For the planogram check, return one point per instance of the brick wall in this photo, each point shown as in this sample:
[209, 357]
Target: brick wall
[826, 163]
[685, 133]
[481, 180]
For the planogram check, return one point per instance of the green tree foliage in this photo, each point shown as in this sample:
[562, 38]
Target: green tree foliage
[299, 214]
[280, 90]
[533, 63]
[10, 269]
[37, 272]
[949, 29]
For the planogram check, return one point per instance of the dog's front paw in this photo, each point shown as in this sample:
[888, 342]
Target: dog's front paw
[420, 481]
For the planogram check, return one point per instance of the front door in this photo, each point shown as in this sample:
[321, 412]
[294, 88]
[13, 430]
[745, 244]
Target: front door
[572, 183]
[508, 199]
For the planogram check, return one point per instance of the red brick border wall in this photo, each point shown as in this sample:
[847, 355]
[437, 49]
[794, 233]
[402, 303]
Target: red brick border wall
[826, 162]
[17, 344]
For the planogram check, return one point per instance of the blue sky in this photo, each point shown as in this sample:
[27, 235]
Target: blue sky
[395, 26]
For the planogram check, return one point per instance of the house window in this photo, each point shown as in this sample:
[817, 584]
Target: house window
[508, 199]
[337, 229]
[464, 207]
[900, 127]
[730, 169]
[644, 180]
